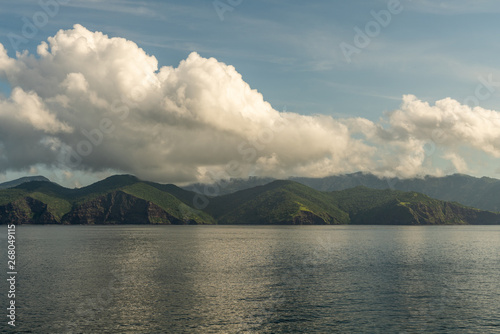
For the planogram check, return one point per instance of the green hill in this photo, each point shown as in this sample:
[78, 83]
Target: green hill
[124, 199]
[187, 197]
[34, 202]
[118, 199]
[482, 193]
[288, 202]
[279, 202]
[371, 206]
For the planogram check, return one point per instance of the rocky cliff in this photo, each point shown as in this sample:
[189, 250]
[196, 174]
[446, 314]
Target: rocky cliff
[119, 208]
[26, 211]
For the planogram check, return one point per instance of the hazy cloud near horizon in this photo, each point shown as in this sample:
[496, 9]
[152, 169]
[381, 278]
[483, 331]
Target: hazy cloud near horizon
[89, 102]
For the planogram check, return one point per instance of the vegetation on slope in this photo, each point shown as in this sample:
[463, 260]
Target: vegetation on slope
[371, 206]
[482, 193]
[279, 202]
[168, 202]
[124, 199]
[118, 199]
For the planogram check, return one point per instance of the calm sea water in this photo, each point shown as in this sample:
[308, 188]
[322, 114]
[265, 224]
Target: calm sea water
[276, 279]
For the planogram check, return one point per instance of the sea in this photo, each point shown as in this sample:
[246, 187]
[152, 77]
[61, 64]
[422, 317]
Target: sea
[253, 279]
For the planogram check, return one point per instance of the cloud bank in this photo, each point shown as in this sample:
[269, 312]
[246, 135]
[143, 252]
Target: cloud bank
[88, 102]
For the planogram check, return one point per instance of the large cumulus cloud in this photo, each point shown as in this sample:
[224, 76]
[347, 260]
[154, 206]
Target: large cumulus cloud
[89, 102]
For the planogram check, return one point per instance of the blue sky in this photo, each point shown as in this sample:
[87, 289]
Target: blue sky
[290, 50]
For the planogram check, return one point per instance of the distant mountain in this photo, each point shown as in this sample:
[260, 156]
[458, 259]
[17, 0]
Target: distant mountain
[230, 186]
[22, 180]
[482, 193]
[288, 202]
[124, 199]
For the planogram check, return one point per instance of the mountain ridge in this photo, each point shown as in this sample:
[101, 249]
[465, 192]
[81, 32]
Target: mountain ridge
[125, 199]
[26, 179]
[96, 204]
[481, 193]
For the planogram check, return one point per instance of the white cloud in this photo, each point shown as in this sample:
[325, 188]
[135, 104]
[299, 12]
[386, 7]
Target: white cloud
[458, 162]
[75, 82]
[448, 123]
[93, 103]
[29, 108]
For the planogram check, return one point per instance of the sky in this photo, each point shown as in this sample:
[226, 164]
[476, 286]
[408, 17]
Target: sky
[187, 91]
